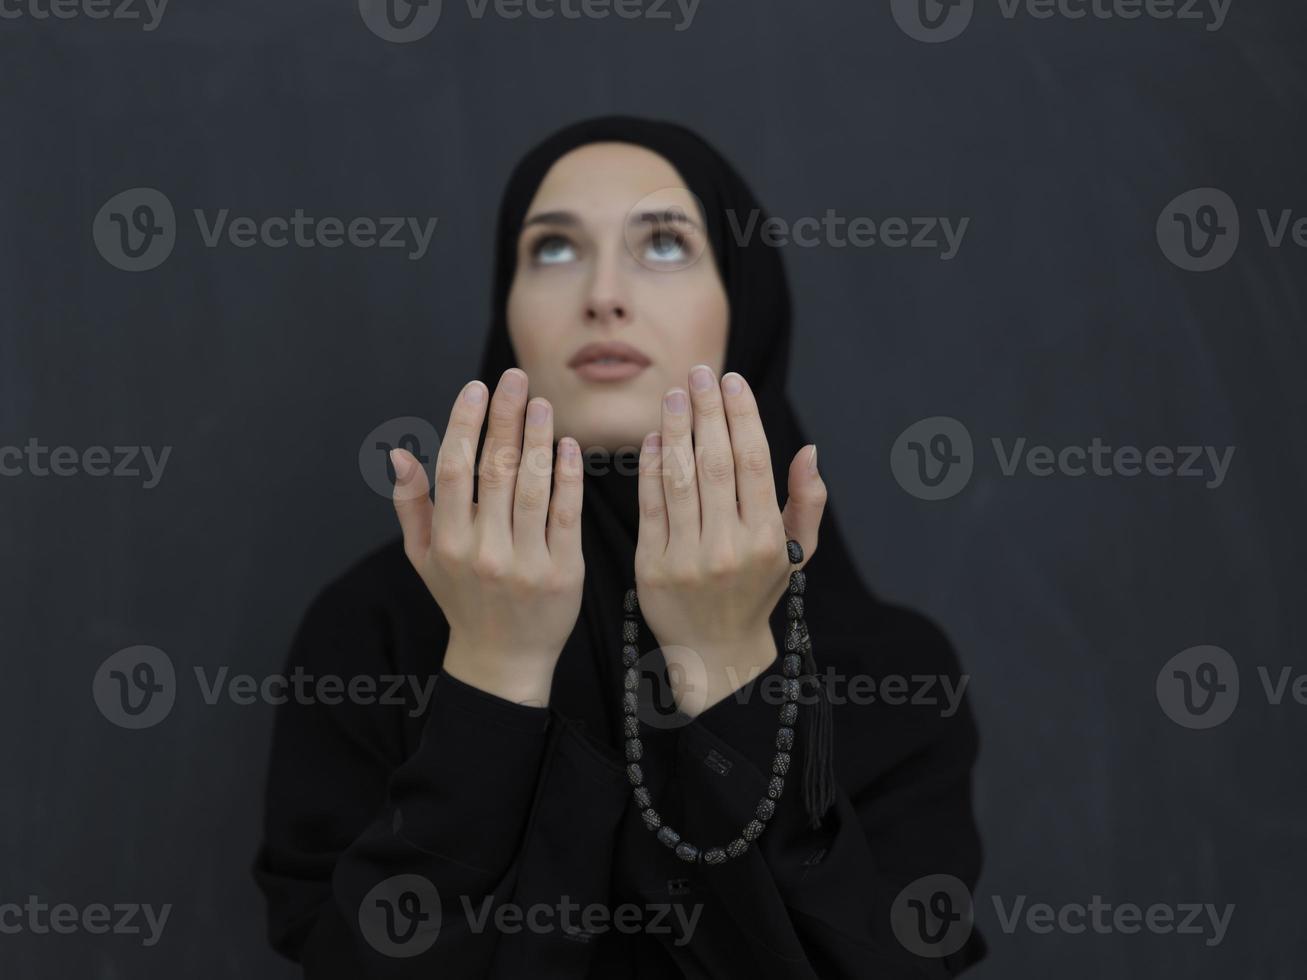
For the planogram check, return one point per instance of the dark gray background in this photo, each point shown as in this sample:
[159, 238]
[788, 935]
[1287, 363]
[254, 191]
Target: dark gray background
[1059, 320]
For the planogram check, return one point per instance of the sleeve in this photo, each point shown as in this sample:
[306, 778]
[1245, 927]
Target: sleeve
[900, 837]
[359, 844]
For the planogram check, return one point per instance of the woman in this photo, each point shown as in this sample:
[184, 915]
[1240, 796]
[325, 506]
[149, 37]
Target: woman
[499, 831]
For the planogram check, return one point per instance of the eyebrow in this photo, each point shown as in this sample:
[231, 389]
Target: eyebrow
[569, 218]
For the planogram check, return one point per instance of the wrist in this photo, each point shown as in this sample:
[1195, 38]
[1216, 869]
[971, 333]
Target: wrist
[488, 673]
[727, 668]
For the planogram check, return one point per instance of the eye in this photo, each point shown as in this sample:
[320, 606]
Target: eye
[552, 250]
[667, 245]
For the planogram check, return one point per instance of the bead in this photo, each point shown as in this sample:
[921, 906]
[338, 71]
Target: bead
[794, 607]
[785, 738]
[630, 655]
[789, 714]
[631, 726]
[631, 679]
[635, 774]
[714, 855]
[795, 550]
[668, 836]
[651, 819]
[634, 750]
[798, 583]
[630, 702]
[736, 847]
[780, 765]
[687, 852]
[793, 635]
[774, 787]
[630, 602]
[642, 798]
[792, 689]
[791, 664]
[630, 631]
[766, 808]
[753, 830]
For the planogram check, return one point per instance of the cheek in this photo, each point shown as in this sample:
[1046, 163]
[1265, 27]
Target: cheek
[694, 318]
[536, 319]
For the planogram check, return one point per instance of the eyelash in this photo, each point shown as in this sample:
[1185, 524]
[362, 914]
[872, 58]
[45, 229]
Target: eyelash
[549, 238]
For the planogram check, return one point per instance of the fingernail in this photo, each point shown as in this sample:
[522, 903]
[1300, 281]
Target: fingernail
[514, 381]
[569, 449]
[402, 464]
[701, 377]
[474, 393]
[732, 383]
[676, 402]
[653, 442]
[537, 412]
[812, 460]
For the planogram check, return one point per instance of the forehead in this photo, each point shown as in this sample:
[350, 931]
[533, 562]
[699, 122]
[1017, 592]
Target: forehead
[607, 181]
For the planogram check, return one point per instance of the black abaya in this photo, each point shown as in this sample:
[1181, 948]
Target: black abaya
[520, 806]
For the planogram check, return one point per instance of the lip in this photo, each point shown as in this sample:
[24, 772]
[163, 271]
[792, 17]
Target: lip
[630, 361]
[620, 371]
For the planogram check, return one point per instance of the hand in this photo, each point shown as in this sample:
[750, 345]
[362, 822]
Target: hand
[508, 583]
[709, 570]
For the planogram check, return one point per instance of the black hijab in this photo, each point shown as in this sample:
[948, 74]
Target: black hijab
[587, 684]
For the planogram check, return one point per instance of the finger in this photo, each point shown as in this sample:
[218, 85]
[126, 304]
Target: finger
[806, 503]
[653, 507]
[411, 504]
[452, 515]
[679, 486]
[531, 497]
[564, 530]
[497, 474]
[755, 484]
[714, 462]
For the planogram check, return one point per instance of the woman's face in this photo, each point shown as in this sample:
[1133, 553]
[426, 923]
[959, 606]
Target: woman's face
[613, 249]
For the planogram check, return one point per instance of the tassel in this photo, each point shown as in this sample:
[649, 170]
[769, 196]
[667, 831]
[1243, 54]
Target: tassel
[819, 763]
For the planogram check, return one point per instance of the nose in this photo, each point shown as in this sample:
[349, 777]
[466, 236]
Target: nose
[607, 301]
